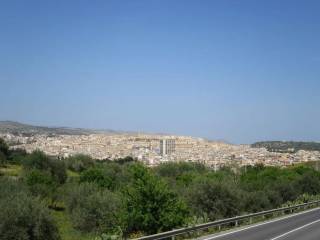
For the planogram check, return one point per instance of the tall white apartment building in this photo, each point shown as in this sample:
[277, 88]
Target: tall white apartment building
[167, 146]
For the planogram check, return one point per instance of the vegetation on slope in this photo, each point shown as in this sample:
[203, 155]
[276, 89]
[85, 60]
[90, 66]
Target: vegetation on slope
[287, 147]
[82, 198]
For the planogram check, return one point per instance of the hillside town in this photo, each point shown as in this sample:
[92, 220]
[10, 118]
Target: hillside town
[155, 149]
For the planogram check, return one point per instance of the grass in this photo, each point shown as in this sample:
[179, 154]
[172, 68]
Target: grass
[67, 232]
[72, 173]
[11, 170]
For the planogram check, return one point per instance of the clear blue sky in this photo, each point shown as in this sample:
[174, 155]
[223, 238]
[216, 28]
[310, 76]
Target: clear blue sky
[235, 70]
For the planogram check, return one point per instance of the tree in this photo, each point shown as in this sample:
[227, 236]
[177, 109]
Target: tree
[125, 160]
[4, 151]
[256, 201]
[174, 170]
[309, 183]
[40, 161]
[79, 162]
[4, 148]
[3, 159]
[58, 170]
[22, 216]
[150, 206]
[17, 155]
[98, 176]
[93, 209]
[35, 176]
[108, 175]
[41, 184]
[212, 199]
[37, 160]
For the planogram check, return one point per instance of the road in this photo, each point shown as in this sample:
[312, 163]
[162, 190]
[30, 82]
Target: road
[304, 226]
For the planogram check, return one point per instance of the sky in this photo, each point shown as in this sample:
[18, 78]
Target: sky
[239, 71]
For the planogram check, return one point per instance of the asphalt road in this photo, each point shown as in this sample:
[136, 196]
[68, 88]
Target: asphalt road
[304, 226]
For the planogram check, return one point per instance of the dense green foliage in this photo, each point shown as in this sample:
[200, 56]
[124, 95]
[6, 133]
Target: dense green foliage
[79, 162]
[125, 198]
[22, 216]
[93, 209]
[151, 206]
[53, 167]
[283, 146]
[4, 150]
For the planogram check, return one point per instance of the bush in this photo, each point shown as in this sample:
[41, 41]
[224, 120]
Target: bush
[309, 183]
[37, 160]
[256, 202]
[40, 161]
[4, 148]
[96, 175]
[214, 200]
[3, 159]
[93, 209]
[22, 216]
[34, 177]
[16, 156]
[40, 183]
[107, 175]
[79, 162]
[125, 160]
[150, 206]
[174, 170]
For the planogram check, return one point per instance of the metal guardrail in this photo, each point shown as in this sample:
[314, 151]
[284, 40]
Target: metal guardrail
[218, 223]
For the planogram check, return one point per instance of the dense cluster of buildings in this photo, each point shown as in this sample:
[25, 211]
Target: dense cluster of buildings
[155, 149]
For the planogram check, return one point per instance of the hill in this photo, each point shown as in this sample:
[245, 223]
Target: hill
[17, 128]
[287, 146]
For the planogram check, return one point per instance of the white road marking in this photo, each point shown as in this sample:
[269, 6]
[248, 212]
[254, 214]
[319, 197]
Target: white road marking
[294, 230]
[260, 224]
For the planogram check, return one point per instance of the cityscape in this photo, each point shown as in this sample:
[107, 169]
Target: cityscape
[156, 149]
[160, 119]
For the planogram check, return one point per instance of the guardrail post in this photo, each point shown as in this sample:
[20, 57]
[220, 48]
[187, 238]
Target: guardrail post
[236, 223]
[172, 238]
[250, 220]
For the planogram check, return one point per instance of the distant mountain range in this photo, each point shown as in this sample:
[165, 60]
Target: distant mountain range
[17, 128]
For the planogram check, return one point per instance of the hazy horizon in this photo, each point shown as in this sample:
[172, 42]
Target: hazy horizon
[144, 132]
[222, 70]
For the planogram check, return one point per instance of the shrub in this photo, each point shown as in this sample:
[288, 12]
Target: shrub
[3, 159]
[150, 206]
[212, 199]
[40, 161]
[125, 160]
[22, 216]
[309, 183]
[40, 183]
[93, 209]
[4, 148]
[16, 156]
[107, 175]
[96, 175]
[256, 202]
[79, 162]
